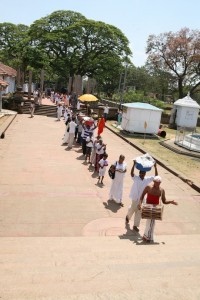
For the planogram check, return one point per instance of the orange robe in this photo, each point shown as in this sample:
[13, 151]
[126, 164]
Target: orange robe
[101, 126]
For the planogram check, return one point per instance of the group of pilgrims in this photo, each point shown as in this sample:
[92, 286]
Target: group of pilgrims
[80, 130]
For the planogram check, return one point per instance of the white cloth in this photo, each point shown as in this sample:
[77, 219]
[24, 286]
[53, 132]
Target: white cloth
[133, 208]
[116, 189]
[32, 109]
[70, 139]
[139, 186]
[106, 110]
[103, 163]
[78, 106]
[89, 142]
[59, 112]
[93, 154]
[149, 230]
[66, 135]
[72, 127]
[100, 149]
[145, 160]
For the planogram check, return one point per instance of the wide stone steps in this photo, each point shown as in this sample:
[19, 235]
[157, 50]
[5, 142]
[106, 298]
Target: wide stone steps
[99, 268]
[44, 110]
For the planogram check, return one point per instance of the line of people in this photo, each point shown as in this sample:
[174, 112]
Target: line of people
[94, 150]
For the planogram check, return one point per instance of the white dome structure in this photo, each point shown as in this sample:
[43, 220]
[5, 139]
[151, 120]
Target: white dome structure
[185, 112]
[184, 116]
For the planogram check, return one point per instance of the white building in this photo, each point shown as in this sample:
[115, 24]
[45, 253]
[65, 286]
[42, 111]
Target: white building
[141, 118]
[8, 75]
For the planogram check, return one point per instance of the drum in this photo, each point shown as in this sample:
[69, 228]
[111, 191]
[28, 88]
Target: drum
[150, 211]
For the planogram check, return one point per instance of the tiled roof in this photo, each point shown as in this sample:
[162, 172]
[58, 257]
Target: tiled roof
[6, 70]
[3, 83]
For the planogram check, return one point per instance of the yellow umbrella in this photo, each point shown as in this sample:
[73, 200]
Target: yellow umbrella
[88, 98]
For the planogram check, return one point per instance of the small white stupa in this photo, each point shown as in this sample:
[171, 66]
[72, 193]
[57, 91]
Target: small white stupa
[184, 116]
[185, 112]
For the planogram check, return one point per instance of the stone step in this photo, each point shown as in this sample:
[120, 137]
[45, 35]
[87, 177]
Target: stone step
[99, 268]
[45, 110]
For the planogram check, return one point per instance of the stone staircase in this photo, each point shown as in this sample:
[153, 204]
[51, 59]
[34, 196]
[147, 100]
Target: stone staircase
[43, 110]
[99, 268]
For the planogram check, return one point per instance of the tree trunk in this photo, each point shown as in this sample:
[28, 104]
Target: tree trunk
[18, 77]
[180, 87]
[29, 84]
[0, 99]
[42, 81]
[22, 78]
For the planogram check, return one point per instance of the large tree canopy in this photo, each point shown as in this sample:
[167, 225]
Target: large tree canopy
[179, 54]
[13, 41]
[76, 45]
[65, 43]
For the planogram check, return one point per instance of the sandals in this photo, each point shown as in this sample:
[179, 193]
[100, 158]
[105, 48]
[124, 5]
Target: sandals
[145, 240]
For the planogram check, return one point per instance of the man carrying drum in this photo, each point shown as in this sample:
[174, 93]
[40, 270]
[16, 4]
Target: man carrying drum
[154, 192]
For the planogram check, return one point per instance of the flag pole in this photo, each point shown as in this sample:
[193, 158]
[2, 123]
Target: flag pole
[145, 127]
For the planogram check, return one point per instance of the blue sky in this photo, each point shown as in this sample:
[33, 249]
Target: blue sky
[137, 19]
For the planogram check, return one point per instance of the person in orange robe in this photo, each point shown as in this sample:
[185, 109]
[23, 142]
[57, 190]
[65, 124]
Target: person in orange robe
[101, 125]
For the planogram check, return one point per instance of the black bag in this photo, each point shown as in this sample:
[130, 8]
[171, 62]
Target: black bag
[111, 171]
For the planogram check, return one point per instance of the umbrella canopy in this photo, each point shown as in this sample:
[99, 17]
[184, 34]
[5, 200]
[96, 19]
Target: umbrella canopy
[88, 98]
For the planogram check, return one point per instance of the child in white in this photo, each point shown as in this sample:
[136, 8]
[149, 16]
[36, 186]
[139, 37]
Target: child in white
[103, 163]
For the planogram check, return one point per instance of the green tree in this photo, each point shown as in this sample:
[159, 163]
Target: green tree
[13, 42]
[76, 45]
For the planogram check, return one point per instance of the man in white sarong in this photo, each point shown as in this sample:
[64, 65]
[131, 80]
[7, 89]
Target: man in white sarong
[59, 111]
[140, 182]
[154, 192]
[72, 127]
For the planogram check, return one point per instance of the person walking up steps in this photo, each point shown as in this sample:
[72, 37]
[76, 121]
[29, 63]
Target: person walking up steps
[89, 146]
[154, 193]
[140, 182]
[116, 190]
[103, 163]
[72, 127]
[59, 111]
[32, 108]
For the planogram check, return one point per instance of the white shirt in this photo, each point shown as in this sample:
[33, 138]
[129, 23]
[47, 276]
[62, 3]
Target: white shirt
[78, 105]
[60, 108]
[106, 110]
[35, 93]
[103, 163]
[72, 127]
[100, 149]
[139, 186]
[89, 142]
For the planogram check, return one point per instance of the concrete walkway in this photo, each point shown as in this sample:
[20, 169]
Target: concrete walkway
[61, 238]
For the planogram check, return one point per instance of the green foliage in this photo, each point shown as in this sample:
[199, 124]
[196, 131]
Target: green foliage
[75, 45]
[138, 96]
